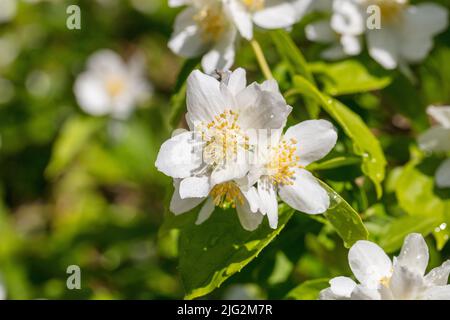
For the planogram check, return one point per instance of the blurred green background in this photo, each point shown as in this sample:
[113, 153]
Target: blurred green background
[74, 193]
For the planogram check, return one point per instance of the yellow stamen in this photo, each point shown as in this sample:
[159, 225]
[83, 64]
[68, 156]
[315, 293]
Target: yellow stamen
[115, 86]
[227, 194]
[390, 10]
[254, 5]
[211, 22]
[284, 162]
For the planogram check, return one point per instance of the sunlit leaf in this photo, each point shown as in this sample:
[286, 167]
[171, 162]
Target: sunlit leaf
[308, 290]
[365, 143]
[215, 250]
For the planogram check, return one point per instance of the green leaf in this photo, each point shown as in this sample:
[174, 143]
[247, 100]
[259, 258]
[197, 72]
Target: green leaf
[348, 77]
[212, 252]
[308, 290]
[344, 219]
[392, 239]
[74, 135]
[364, 142]
[415, 192]
[296, 63]
[334, 163]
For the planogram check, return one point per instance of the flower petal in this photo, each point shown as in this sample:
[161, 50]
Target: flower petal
[206, 211]
[277, 14]
[363, 293]
[414, 254]
[438, 293]
[269, 203]
[315, 139]
[195, 187]
[221, 56]
[178, 205]
[369, 263]
[237, 81]
[186, 39]
[440, 114]
[180, 156]
[384, 47]
[443, 175]
[342, 286]
[305, 194]
[439, 276]
[249, 220]
[435, 139]
[205, 97]
[241, 17]
[91, 94]
[320, 32]
[406, 284]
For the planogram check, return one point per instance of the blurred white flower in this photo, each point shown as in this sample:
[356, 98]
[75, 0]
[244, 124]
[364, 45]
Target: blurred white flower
[267, 14]
[437, 139]
[406, 31]
[8, 10]
[283, 170]
[381, 279]
[204, 28]
[111, 86]
[212, 159]
[341, 45]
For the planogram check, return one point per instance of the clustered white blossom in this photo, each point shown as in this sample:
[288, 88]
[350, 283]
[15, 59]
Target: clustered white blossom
[235, 154]
[111, 86]
[437, 139]
[211, 28]
[381, 279]
[404, 34]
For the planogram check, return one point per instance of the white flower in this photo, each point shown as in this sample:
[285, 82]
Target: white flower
[212, 159]
[437, 139]
[283, 170]
[341, 45]
[381, 279]
[405, 34]
[267, 14]
[111, 86]
[8, 9]
[204, 28]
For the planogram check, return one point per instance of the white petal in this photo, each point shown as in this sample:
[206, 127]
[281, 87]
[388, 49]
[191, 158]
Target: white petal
[206, 211]
[438, 293]
[435, 139]
[443, 175]
[406, 284]
[269, 202]
[383, 47]
[204, 97]
[178, 205]
[249, 220]
[351, 45]
[347, 18]
[229, 172]
[315, 139]
[180, 156]
[106, 61]
[363, 293]
[369, 263]
[91, 94]
[420, 24]
[320, 32]
[305, 194]
[328, 294]
[342, 286]
[252, 197]
[414, 254]
[178, 3]
[186, 39]
[261, 109]
[439, 276]
[221, 56]
[440, 114]
[242, 18]
[195, 187]
[276, 14]
[237, 81]
[333, 53]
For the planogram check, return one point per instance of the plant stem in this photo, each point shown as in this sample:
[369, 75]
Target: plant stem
[261, 59]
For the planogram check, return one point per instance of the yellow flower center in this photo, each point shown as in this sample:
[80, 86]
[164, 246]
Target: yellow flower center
[254, 5]
[115, 86]
[223, 139]
[227, 194]
[385, 281]
[390, 10]
[212, 23]
[283, 163]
